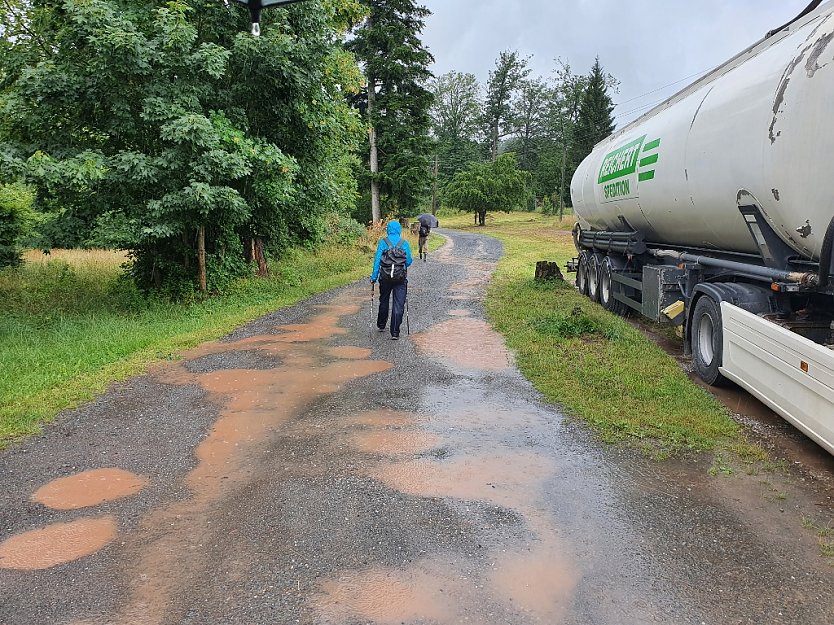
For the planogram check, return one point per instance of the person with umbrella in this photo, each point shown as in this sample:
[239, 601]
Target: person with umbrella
[427, 222]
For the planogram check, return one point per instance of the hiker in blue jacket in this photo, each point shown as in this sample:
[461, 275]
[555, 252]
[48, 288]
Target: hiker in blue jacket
[396, 283]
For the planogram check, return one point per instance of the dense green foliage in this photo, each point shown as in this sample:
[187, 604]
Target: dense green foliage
[494, 186]
[16, 220]
[396, 68]
[168, 132]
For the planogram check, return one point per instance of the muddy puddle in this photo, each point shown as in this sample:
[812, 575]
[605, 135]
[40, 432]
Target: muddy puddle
[89, 488]
[451, 343]
[56, 544]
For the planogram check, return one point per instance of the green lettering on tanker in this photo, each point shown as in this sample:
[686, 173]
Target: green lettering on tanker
[621, 162]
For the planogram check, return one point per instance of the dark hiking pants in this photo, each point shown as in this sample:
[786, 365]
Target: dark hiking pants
[386, 289]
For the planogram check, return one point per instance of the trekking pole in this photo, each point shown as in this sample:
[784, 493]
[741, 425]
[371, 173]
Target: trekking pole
[371, 320]
[407, 326]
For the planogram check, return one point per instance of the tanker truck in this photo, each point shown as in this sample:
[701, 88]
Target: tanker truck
[714, 212]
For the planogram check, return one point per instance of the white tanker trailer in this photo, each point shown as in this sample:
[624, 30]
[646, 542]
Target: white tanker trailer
[715, 212]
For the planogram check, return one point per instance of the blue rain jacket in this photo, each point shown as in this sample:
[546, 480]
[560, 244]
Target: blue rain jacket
[394, 235]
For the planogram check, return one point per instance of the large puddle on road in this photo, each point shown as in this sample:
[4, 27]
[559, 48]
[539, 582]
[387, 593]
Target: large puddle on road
[89, 488]
[56, 544]
[528, 580]
[451, 343]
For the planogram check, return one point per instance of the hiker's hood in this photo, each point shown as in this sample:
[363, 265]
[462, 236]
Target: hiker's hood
[394, 228]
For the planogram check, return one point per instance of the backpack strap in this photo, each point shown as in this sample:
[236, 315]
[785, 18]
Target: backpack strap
[388, 242]
[399, 243]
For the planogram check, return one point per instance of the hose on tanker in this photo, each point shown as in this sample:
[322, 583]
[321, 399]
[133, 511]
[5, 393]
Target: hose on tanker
[814, 4]
[826, 254]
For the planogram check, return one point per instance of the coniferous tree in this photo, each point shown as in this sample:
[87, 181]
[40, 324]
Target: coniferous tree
[502, 87]
[594, 121]
[397, 103]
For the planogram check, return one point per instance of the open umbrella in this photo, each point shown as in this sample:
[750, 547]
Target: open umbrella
[428, 220]
[255, 7]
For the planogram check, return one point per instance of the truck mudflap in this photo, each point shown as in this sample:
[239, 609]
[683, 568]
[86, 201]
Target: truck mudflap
[791, 374]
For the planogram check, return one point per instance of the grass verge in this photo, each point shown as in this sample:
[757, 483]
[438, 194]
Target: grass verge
[593, 363]
[70, 325]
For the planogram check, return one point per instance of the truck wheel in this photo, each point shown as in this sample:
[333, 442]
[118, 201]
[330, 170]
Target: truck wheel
[707, 341]
[582, 274]
[593, 277]
[606, 289]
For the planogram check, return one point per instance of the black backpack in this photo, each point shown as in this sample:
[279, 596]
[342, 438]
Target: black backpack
[392, 264]
[424, 230]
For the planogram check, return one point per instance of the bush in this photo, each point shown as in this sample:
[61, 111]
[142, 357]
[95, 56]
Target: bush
[16, 220]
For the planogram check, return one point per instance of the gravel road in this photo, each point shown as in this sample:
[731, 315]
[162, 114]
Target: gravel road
[308, 469]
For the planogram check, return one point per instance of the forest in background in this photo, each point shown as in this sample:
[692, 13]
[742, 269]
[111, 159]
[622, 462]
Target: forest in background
[168, 131]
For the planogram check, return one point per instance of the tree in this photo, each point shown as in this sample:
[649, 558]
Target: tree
[482, 187]
[594, 121]
[16, 221]
[532, 129]
[396, 103]
[455, 122]
[502, 86]
[179, 136]
[564, 112]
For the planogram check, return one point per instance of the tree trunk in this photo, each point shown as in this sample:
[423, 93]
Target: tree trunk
[374, 158]
[562, 185]
[546, 270]
[482, 218]
[434, 189]
[201, 257]
[258, 253]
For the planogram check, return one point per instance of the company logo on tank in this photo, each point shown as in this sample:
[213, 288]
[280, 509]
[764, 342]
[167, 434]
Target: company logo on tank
[624, 168]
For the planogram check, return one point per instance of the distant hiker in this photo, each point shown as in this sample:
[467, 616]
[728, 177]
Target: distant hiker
[427, 221]
[423, 237]
[393, 257]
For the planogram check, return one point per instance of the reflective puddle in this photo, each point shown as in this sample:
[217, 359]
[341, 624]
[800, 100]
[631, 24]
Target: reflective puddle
[451, 343]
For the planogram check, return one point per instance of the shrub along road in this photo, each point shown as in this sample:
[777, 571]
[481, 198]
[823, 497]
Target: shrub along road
[307, 469]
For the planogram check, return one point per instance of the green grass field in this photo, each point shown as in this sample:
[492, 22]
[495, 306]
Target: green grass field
[594, 364]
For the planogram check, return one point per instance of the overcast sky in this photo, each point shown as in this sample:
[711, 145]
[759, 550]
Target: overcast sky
[645, 44]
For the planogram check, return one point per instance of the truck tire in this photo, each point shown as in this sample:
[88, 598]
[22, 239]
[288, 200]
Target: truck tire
[593, 277]
[607, 287]
[707, 341]
[582, 274]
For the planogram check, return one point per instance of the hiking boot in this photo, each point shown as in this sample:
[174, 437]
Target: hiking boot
[382, 329]
[395, 337]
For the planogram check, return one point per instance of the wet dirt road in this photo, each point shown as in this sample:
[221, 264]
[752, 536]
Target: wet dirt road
[308, 470]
